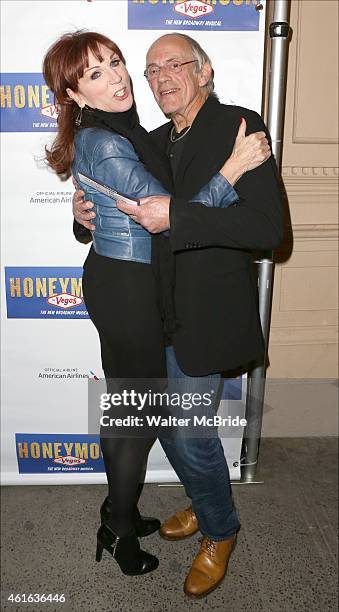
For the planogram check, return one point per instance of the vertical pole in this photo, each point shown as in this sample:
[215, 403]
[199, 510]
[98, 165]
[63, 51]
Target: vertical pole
[279, 33]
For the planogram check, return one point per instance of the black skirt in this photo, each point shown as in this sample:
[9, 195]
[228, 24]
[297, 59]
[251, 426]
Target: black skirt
[121, 300]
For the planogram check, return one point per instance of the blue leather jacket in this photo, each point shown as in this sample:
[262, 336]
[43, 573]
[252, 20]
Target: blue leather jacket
[111, 160]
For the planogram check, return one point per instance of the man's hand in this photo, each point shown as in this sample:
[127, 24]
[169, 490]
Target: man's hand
[152, 214]
[81, 210]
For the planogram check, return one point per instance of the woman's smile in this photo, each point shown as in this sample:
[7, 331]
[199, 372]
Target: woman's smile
[122, 93]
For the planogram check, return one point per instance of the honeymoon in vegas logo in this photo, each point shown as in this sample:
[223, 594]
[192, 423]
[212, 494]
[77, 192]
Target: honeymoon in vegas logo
[27, 105]
[237, 15]
[58, 453]
[44, 293]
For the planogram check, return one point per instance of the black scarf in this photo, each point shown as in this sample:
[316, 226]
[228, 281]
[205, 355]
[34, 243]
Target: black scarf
[127, 124]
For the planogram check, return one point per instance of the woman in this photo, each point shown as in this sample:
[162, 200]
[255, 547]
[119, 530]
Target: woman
[100, 139]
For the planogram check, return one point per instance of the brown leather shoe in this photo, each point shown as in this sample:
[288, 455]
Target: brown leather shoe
[209, 567]
[182, 524]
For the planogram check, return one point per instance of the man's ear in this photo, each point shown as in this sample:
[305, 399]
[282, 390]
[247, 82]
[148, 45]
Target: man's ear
[205, 74]
[74, 96]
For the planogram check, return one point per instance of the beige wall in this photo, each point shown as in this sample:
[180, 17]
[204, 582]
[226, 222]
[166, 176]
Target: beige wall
[303, 340]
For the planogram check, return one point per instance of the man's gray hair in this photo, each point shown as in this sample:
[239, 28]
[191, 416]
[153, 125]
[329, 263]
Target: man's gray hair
[202, 58]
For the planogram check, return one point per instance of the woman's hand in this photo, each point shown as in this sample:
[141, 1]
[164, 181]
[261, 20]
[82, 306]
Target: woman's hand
[248, 153]
[82, 210]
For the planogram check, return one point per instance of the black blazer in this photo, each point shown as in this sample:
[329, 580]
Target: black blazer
[215, 293]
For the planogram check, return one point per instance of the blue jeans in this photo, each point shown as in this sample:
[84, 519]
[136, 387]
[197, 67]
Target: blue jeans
[200, 461]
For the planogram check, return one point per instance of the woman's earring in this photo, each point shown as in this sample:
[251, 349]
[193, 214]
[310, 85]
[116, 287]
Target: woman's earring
[78, 118]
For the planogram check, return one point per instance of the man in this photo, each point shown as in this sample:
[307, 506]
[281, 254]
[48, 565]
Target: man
[215, 295]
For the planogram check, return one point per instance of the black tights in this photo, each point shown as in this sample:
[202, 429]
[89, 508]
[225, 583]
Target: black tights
[121, 300]
[124, 460]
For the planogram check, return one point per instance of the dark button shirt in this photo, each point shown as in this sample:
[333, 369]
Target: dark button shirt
[174, 152]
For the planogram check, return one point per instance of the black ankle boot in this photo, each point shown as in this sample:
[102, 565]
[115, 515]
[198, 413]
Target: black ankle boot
[126, 551]
[143, 525]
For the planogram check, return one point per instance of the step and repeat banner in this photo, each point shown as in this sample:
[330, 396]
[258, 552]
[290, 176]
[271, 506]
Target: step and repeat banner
[50, 348]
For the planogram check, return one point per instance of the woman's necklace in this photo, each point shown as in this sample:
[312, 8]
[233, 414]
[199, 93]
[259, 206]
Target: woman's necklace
[174, 138]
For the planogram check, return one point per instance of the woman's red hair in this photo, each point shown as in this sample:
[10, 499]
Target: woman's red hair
[63, 66]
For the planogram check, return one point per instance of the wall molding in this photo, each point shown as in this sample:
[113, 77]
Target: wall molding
[312, 185]
[297, 335]
[309, 172]
[304, 331]
[309, 231]
[296, 102]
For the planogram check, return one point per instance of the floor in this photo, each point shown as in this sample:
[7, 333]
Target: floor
[285, 559]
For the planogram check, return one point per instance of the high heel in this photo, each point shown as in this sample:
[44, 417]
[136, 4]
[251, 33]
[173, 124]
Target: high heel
[126, 551]
[100, 549]
[143, 525]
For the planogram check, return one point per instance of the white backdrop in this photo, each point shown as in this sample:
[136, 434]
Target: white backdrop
[46, 359]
